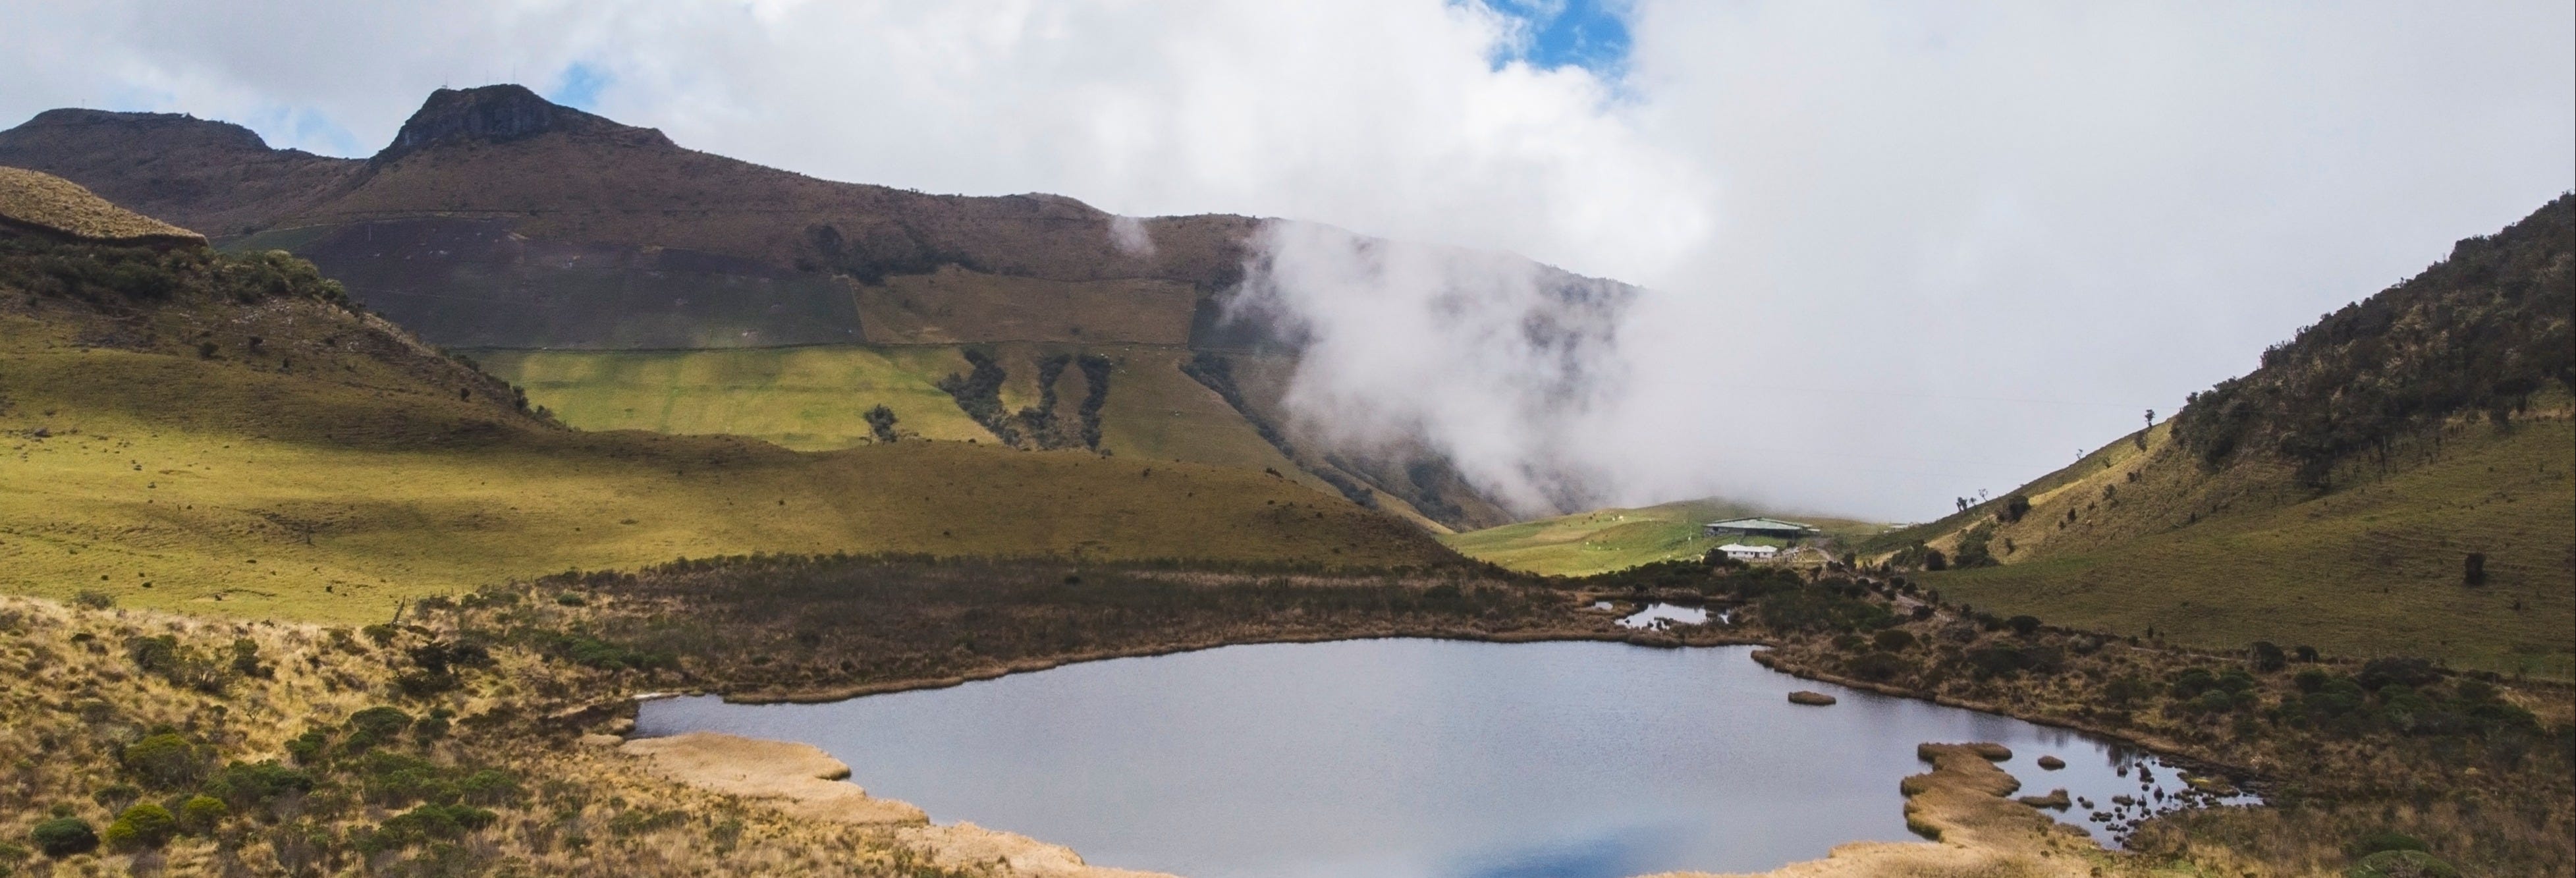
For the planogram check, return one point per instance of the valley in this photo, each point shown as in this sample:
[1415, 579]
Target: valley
[346, 539]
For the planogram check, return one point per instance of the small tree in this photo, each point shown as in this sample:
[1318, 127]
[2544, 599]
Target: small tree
[881, 423]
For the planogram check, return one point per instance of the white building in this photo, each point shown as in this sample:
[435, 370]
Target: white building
[1742, 552]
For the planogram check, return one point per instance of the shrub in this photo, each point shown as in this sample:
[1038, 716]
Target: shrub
[2268, 657]
[2407, 671]
[379, 721]
[2015, 507]
[2311, 680]
[165, 761]
[144, 825]
[2023, 625]
[1880, 666]
[246, 658]
[2127, 690]
[2386, 840]
[2473, 569]
[96, 600]
[64, 836]
[201, 812]
[1893, 640]
[256, 784]
[881, 423]
[425, 823]
[1851, 642]
[2402, 864]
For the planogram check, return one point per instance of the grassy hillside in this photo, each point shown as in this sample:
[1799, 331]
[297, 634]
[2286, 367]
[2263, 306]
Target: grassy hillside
[194, 430]
[2374, 569]
[2332, 497]
[815, 398]
[1616, 539]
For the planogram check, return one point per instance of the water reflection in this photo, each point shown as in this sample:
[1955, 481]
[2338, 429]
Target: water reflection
[1418, 758]
[1660, 615]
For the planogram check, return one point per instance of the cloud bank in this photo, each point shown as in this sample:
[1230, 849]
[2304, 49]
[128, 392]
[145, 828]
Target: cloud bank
[1895, 253]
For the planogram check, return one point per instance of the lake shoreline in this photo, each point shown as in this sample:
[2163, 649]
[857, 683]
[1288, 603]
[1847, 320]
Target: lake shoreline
[1974, 831]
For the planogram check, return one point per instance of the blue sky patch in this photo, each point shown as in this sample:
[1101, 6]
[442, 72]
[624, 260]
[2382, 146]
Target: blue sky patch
[1591, 34]
[578, 87]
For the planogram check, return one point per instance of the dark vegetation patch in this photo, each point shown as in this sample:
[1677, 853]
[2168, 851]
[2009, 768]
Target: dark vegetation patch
[784, 624]
[2482, 330]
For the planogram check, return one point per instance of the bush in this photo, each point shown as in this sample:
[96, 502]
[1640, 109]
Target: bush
[2380, 672]
[2386, 841]
[2015, 507]
[2402, 864]
[96, 600]
[201, 812]
[165, 761]
[2023, 625]
[881, 423]
[1893, 640]
[144, 825]
[377, 724]
[64, 836]
[2126, 690]
[256, 784]
[1880, 666]
[2268, 657]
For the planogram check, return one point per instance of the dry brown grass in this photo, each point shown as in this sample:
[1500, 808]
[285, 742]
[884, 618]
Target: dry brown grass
[74, 698]
[44, 201]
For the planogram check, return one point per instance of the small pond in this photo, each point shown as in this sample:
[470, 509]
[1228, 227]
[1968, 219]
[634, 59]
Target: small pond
[1660, 615]
[1416, 758]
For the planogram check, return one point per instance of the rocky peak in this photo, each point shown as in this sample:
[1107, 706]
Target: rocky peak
[500, 113]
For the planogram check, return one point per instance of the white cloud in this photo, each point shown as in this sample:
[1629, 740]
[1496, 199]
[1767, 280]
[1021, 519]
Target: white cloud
[1867, 225]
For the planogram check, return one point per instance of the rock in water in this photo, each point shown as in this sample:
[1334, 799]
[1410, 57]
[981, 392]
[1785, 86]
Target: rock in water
[2055, 799]
[2051, 763]
[1817, 699]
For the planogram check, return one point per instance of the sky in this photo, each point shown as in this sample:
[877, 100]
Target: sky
[1894, 253]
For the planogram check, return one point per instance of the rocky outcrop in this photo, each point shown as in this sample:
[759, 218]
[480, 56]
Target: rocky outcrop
[502, 113]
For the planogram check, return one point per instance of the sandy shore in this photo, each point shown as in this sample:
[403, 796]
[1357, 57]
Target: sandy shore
[1962, 803]
[803, 781]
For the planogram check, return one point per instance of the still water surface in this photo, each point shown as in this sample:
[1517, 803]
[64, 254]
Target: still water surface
[1413, 758]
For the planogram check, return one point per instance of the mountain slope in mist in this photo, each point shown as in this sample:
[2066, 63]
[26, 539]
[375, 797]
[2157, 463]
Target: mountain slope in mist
[2335, 496]
[224, 432]
[496, 220]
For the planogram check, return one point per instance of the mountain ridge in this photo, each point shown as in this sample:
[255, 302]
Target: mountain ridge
[501, 221]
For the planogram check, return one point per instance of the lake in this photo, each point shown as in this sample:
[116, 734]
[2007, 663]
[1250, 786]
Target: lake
[1415, 758]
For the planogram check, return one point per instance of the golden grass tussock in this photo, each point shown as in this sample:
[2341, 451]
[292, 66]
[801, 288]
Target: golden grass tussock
[37, 200]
